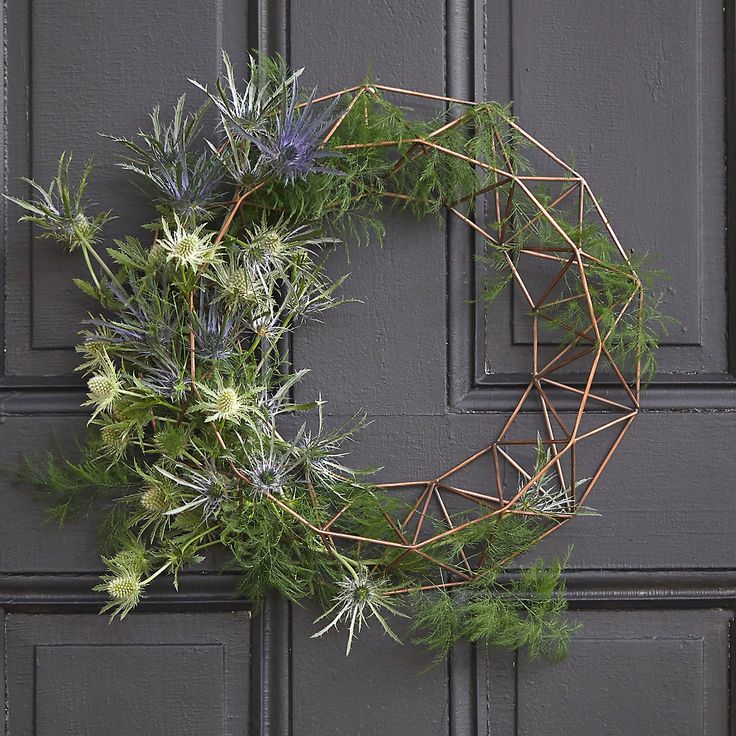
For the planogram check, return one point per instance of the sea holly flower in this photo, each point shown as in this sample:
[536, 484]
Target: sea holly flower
[227, 402]
[124, 584]
[266, 326]
[105, 387]
[319, 453]
[156, 498]
[267, 477]
[269, 474]
[240, 286]
[168, 380]
[184, 181]
[172, 440]
[270, 245]
[115, 437]
[59, 213]
[94, 351]
[279, 247]
[359, 597]
[293, 149]
[206, 488]
[124, 591]
[266, 464]
[216, 332]
[189, 249]
[247, 111]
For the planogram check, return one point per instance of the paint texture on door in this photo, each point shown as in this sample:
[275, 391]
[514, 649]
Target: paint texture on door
[635, 94]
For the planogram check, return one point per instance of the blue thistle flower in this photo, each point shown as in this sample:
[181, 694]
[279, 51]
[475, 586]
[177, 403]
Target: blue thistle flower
[168, 380]
[206, 489]
[215, 334]
[293, 149]
[184, 180]
[140, 327]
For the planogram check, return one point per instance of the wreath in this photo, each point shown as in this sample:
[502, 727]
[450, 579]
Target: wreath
[189, 379]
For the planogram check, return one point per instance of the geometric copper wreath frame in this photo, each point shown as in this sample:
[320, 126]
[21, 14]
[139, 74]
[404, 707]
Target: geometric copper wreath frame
[599, 400]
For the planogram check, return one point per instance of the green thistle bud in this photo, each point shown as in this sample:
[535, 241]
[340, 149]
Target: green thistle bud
[115, 438]
[155, 499]
[228, 403]
[76, 230]
[271, 241]
[124, 589]
[84, 228]
[93, 346]
[171, 441]
[94, 350]
[104, 387]
[238, 286]
[224, 402]
[188, 249]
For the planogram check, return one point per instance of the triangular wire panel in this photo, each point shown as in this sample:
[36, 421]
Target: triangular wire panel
[411, 522]
[593, 423]
[592, 455]
[526, 423]
[557, 425]
[574, 410]
[477, 477]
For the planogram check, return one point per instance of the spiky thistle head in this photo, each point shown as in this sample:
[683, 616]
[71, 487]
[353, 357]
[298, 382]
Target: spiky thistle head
[216, 331]
[319, 452]
[168, 379]
[59, 212]
[124, 584]
[124, 591]
[248, 111]
[266, 325]
[93, 350]
[115, 438]
[360, 595]
[227, 402]
[172, 440]
[105, 387]
[204, 488]
[293, 148]
[275, 245]
[187, 248]
[268, 476]
[240, 285]
[156, 497]
[183, 178]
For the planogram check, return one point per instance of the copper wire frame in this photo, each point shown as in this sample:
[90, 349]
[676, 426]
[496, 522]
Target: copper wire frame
[587, 347]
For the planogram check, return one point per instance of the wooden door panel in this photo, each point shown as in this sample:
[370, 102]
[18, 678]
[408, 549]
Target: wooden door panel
[75, 70]
[658, 672]
[382, 687]
[74, 675]
[636, 91]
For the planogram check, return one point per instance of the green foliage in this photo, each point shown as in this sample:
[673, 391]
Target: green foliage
[73, 487]
[523, 610]
[187, 377]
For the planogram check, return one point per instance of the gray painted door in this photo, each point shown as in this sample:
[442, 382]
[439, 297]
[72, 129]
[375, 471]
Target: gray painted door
[643, 93]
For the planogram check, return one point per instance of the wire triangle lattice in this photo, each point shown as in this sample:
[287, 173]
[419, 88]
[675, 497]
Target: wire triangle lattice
[578, 393]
